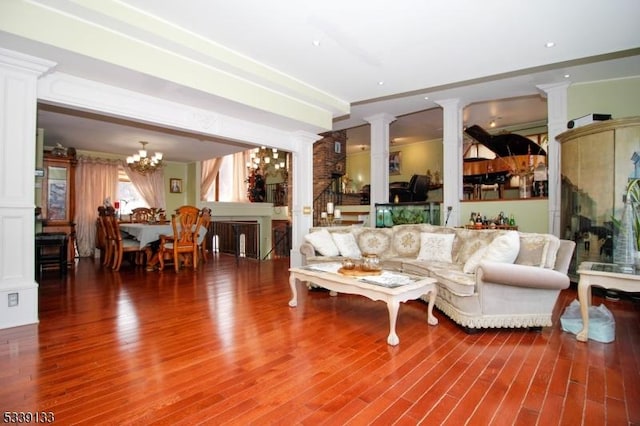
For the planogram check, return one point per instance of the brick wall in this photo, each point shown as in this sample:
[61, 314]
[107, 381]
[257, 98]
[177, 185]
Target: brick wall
[327, 163]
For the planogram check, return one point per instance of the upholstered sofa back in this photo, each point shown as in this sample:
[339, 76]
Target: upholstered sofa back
[405, 242]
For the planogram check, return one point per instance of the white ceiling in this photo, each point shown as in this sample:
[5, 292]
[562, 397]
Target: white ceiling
[490, 54]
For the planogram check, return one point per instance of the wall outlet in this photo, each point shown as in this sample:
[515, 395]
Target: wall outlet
[13, 299]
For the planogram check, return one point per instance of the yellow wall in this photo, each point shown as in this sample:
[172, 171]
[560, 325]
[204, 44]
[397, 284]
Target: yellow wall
[415, 158]
[531, 215]
[620, 98]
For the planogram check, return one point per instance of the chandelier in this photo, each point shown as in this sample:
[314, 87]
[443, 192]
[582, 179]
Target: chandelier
[268, 162]
[143, 164]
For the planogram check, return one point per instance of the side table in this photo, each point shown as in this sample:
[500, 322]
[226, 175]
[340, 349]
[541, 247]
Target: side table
[607, 276]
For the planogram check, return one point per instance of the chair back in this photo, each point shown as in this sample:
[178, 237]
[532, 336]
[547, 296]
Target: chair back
[141, 215]
[192, 210]
[186, 226]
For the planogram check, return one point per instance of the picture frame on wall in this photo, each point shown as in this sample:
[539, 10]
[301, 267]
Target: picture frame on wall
[175, 186]
[394, 163]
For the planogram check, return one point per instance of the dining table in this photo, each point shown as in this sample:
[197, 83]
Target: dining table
[147, 233]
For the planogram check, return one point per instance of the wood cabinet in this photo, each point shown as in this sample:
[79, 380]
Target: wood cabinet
[58, 196]
[597, 162]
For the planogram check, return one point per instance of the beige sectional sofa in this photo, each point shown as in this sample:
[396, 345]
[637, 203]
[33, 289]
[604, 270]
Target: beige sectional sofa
[486, 278]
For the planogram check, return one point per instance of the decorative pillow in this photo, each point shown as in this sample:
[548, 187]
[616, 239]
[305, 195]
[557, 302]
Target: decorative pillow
[552, 252]
[533, 250]
[406, 241]
[436, 247]
[375, 241]
[346, 243]
[504, 249]
[474, 260]
[322, 243]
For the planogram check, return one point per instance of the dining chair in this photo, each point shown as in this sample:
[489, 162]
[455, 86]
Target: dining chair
[184, 241]
[205, 214]
[103, 235]
[119, 245]
[140, 215]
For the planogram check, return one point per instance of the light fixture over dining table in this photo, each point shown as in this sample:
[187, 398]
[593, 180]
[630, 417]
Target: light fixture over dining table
[144, 164]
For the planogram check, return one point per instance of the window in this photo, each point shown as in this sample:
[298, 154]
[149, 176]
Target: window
[128, 195]
[223, 185]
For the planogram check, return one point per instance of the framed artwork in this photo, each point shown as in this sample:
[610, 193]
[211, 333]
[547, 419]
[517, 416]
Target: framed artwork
[175, 186]
[394, 163]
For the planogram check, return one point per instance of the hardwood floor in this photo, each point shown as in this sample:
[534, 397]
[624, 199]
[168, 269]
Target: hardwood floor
[221, 346]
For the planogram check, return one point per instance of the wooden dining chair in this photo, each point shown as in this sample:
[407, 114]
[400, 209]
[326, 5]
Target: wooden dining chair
[119, 245]
[140, 215]
[184, 241]
[103, 235]
[205, 214]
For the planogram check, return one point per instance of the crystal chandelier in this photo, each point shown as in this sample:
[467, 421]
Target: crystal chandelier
[269, 162]
[143, 164]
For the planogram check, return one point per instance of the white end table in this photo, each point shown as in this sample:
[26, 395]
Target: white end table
[603, 275]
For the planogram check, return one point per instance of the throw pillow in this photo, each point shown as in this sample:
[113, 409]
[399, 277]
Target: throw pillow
[322, 243]
[346, 243]
[474, 260]
[436, 247]
[504, 249]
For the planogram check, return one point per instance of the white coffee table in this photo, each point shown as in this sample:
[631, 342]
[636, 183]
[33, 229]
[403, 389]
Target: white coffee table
[601, 275]
[391, 294]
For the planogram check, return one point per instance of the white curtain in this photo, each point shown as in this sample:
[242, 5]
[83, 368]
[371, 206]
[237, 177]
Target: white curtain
[240, 176]
[208, 175]
[150, 186]
[96, 179]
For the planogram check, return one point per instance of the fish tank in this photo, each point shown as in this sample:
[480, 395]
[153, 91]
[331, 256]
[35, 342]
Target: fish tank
[390, 214]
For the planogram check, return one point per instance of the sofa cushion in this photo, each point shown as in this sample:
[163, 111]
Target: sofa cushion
[347, 245]
[533, 250]
[552, 251]
[375, 241]
[469, 241]
[406, 241]
[504, 249]
[436, 247]
[322, 242]
[455, 280]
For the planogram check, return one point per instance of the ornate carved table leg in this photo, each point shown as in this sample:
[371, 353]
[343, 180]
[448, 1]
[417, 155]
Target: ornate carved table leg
[584, 296]
[393, 306]
[294, 292]
[431, 319]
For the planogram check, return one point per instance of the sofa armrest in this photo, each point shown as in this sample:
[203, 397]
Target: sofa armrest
[307, 250]
[521, 276]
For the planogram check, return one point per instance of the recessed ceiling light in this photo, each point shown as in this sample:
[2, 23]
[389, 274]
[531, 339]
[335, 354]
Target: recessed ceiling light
[380, 83]
[550, 44]
[426, 98]
[316, 43]
[567, 75]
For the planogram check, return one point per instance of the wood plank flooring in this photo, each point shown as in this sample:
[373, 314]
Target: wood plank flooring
[221, 346]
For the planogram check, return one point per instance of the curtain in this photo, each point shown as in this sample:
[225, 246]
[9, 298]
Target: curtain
[150, 186]
[208, 175]
[240, 176]
[96, 179]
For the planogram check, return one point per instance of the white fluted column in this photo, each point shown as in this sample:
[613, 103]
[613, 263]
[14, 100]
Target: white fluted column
[556, 124]
[302, 195]
[452, 159]
[379, 192]
[18, 107]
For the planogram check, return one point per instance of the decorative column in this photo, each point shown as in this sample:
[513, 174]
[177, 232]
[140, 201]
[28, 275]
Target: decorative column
[379, 192]
[302, 194]
[18, 84]
[452, 159]
[556, 124]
